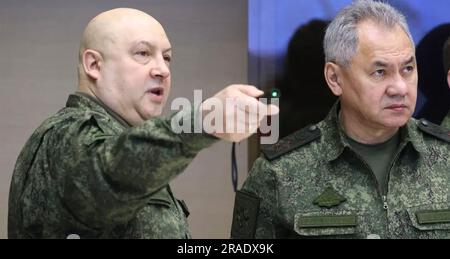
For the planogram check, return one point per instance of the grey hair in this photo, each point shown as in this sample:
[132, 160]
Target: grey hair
[341, 37]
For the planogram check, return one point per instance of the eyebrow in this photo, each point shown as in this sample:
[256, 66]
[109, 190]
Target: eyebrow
[151, 46]
[410, 60]
[379, 63]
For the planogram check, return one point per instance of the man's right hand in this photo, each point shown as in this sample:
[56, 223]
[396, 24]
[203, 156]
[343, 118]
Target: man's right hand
[241, 110]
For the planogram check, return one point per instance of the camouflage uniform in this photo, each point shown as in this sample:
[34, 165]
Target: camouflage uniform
[446, 122]
[86, 173]
[313, 185]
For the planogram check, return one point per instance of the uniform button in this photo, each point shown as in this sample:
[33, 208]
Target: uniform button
[373, 236]
[313, 128]
[424, 122]
[73, 236]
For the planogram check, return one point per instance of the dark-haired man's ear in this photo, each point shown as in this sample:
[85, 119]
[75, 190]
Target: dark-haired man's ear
[92, 61]
[332, 76]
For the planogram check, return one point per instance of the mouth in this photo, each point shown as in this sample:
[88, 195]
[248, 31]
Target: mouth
[397, 107]
[158, 91]
[156, 94]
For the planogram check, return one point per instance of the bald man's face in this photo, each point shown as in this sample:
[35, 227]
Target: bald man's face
[135, 76]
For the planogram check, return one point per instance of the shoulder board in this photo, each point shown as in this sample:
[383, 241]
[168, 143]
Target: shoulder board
[291, 142]
[434, 130]
[245, 215]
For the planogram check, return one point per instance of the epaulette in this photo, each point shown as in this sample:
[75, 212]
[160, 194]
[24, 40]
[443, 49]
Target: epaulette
[434, 130]
[291, 142]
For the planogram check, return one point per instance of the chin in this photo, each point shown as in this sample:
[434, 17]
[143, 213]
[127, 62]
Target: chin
[396, 122]
[154, 113]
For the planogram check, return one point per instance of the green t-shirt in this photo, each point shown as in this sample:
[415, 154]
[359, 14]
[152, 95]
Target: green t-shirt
[379, 157]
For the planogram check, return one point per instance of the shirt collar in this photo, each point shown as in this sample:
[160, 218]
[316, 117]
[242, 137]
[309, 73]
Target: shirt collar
[336, 142]
[80, 99]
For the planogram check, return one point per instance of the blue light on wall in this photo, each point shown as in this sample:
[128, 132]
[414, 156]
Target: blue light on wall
[272, 22]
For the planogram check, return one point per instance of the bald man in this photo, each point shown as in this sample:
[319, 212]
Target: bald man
[101, 167]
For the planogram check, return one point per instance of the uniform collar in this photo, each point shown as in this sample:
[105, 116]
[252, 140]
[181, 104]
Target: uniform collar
[337, 143]
[84, 100]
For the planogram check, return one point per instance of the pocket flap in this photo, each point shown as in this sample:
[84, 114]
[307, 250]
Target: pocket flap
[430, 216]
[327, 221]
[317, 224]
[433, 216]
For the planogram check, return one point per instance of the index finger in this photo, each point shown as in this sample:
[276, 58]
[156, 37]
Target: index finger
[250, 90]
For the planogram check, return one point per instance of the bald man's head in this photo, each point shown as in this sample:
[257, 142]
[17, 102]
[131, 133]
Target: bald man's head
[125, 63]
[109, 28]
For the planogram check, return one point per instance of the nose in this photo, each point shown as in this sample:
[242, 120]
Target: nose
[160, 69]
[398, 86]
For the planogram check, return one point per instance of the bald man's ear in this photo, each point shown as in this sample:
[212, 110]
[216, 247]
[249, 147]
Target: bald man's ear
[92, 61]
[333, 78]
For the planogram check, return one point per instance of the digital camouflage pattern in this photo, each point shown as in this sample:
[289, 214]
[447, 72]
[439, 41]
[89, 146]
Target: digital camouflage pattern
[323, 189]
[85, 173]
[446, 122]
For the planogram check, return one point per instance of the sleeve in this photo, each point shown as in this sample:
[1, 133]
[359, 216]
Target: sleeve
[256, 204]
[104, 179]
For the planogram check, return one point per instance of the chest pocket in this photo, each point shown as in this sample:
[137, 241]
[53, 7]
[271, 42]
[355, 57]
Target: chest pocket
[431, 221]
[319, 224]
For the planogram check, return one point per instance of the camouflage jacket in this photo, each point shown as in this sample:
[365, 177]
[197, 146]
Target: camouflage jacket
[85, 173]
[313, 185]
[446, 122]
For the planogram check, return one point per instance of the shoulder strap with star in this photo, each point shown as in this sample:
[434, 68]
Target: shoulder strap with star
[291, 142]
[434, 130]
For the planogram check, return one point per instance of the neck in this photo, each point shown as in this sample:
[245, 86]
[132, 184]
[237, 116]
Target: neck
[363, 133]
[87, 90]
